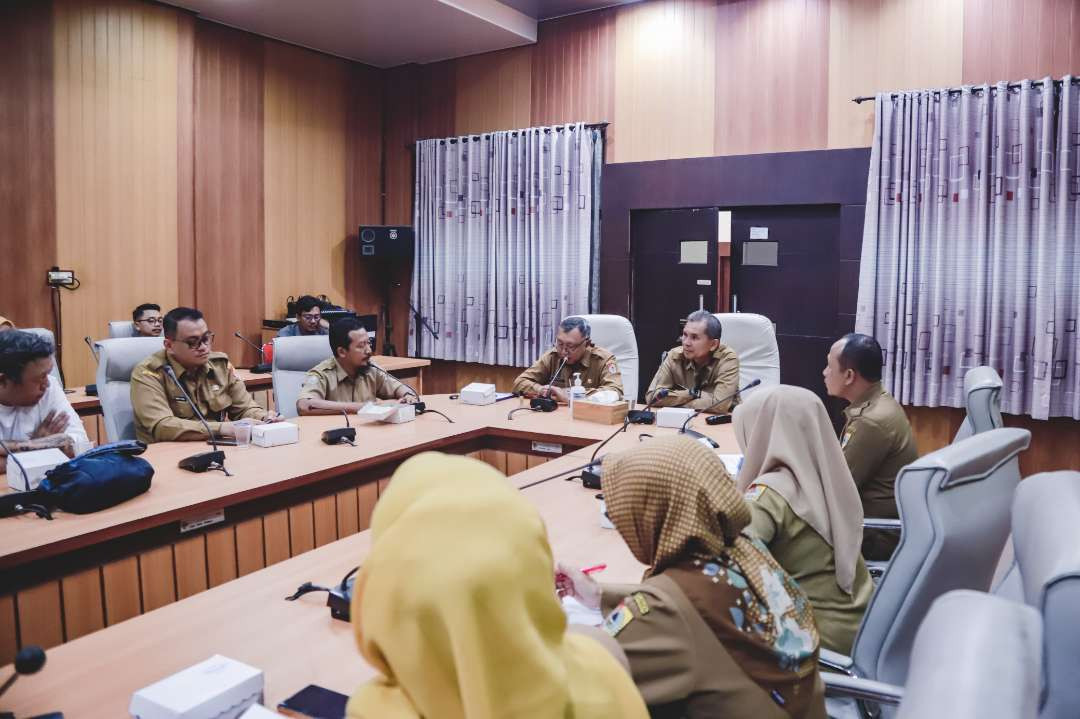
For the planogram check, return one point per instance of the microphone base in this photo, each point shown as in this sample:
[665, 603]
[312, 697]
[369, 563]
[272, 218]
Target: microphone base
[339, 435]
[704, 439]
[263, 368]
[91, 390]
[203, 461]
[590, 477]
[640, 416]
[718, 419]
[543, 404]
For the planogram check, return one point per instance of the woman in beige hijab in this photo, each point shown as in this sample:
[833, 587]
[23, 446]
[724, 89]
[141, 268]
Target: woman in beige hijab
[805, 506]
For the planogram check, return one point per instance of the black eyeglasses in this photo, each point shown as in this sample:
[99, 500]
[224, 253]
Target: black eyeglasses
[195, 343]
[152, 320]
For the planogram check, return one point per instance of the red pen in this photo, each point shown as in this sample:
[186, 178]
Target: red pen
[594, 568]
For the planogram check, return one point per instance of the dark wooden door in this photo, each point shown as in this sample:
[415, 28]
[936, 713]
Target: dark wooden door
[674, 273]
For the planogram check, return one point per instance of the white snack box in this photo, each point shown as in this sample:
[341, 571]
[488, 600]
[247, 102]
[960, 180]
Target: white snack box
[672, 416]
[36, 462]
[275, 434]
[478, 393]
[401, 413]
[218, 688]
[375, 412]
[258, 711]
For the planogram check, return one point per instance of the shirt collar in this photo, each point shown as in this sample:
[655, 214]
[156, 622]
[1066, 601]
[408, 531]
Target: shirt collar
[181, 371]
[872, 392]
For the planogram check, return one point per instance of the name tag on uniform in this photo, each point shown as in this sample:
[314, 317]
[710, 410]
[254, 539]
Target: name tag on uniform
[618, 619]
[753, 492]
[847, 437]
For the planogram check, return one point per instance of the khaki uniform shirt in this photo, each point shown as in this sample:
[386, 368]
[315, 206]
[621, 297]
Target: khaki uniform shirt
[597, 367]
[163, 415]
[809, 559]
[877, 444]
[329, 381]
[716, 380]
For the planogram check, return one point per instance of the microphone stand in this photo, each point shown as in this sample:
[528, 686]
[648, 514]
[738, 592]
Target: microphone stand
[346, 434]
[263, 367]
[91, 389]
[204, 460]
[545, 403]
[420, 406]
[702, 437]
[645, 416]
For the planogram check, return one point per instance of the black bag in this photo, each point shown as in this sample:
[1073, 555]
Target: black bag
[95, 480]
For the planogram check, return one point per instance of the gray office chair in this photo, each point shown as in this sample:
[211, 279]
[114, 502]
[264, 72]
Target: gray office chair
[615, 334]
[48, 334]
[121, 328]
[954, 506]
[116, 359]
[753, 338]
[1046, 538]
[974, 656]
[982, 396]
[293, 357]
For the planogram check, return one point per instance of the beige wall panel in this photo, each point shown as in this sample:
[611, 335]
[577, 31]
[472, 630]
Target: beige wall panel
[122, 597]
[250, 546]
[116, 164]
[190, 557]
[1017, 39]
[83, 609]
[40, 620]
[665, 79]
[325, 515]
[221, 555]
[304, 156]
[881, 45]
[494, 91]
[157, 576]
[348, 513]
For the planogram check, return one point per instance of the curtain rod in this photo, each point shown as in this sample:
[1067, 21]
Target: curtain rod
[474, 138]
[957, 91]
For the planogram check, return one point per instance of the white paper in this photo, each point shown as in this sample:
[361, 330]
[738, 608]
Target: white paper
[578, 613]
[759, 233]
[693, 252]
[732, 462]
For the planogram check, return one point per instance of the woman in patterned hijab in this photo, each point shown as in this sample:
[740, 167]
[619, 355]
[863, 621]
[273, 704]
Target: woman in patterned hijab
[716, 625]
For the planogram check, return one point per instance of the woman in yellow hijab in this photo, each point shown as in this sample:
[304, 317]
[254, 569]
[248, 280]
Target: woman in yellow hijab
[455, 608]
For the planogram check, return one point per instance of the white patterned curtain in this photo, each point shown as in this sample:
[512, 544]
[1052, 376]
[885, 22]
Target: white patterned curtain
[971, 252]
[507, 241]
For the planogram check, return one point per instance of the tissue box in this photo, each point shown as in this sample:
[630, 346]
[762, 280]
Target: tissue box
[401, 413]
[218, 688]
[602, 413]
[35, 463]
[273, 435]
[672, 416]
[478, 393]
[375, 412]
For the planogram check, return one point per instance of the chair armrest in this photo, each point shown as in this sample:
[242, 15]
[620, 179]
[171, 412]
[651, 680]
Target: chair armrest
[892, 525]
[832, 661]
[842, 686]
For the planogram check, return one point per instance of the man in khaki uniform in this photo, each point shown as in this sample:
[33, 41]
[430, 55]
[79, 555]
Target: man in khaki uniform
[701, 373]
[876, 438]
[161, 412]
[573, 341]
[348, 380]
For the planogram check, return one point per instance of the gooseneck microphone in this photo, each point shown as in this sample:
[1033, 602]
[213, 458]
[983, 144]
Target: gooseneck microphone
[645, 416]
[346, 434]
[29, 660]
[419, 405]
[698, 435]
[590, 475]
[263, 367]
[204, 460]
[544, 403]
[90, 343]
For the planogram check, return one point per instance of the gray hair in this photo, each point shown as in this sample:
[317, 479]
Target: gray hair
[580, 324]
[713, 328]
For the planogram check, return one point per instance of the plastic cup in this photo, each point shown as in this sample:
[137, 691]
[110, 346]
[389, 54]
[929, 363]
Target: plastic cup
[242, 433]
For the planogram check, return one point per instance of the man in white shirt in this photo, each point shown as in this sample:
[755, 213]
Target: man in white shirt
[34, 413]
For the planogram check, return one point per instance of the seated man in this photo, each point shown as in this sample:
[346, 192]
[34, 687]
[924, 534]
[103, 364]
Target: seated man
[162, 414]
[34, 413]
[308, 319]
[348, 380]
[573, 342]
[876, 438]
[701, 373]
[147, 320]
[6, 324]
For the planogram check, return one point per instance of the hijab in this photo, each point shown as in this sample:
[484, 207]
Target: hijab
[789, 445]
[455, 607]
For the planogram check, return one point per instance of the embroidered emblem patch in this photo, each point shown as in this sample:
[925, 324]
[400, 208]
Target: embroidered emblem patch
[753, 492]
[642, 604]
[847, 437]
[618, 619]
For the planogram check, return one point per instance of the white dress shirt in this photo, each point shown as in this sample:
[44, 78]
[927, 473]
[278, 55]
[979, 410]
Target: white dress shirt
[18, 423]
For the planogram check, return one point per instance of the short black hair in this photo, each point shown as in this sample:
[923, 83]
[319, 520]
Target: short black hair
[862, 353]
[713, 328]
[19, 348]
[340, 331]
[174, 316]
[137, 312]
[569, 324]
[306, 304]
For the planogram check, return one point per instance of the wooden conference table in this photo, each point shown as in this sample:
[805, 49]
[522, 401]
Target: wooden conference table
[295, 643]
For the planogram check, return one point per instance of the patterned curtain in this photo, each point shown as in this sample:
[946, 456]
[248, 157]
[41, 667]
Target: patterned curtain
[506, 240]
[971, 251]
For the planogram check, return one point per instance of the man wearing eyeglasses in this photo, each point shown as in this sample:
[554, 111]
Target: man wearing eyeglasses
[308, 319]
[597, 366]
[147, 320]
[162, 414]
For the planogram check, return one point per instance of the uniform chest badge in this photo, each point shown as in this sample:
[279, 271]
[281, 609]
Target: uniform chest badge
[847, 437]
[618, 619]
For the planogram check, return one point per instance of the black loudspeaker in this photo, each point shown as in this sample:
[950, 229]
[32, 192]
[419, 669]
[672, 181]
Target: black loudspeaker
[386, 241]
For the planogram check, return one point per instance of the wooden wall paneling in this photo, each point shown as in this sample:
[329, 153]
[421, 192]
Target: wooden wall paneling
[251, 546]
[191, 570]
[84, 609]
[771, 76]
[436, 100]
[496, 458]
[665, 79]
[494, 91]
[157, 577]
[443, 377]
[348, 512]
[399, 131]
[1018, 39]
[28, 180]
[881, 45]
[123, 598]
[573, 71]
[40, 615]
[304, 175]
[324, 512]
[116, 139]
[221, 555]
[1053, 443]
[229, 267]
[301, 528]
[368, 495]
[516, 463]
[276, 536]
[185, 159]
[9, 644]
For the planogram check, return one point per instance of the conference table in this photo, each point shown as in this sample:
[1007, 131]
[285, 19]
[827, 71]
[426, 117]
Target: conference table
[245, 616]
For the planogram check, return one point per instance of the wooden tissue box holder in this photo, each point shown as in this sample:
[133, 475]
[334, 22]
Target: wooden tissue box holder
[601, 413]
